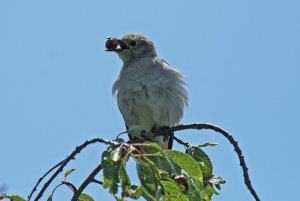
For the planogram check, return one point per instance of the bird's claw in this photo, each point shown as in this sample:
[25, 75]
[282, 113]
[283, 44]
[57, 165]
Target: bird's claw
[166, 133]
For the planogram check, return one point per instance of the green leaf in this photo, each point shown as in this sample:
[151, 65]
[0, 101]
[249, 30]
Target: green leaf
[151, 148]
[119, 198]
[124, 179]
[14, 197]
[193, 192]
[111, 165]
[149, 177]
[107, 163]
[207, 193]
[174, 192]
[208, 144]
[137, 192]
[205, 163]
[49, 198]
[161, 159]
[189, 164]
[153, 167]
[217, 181]
[85, 197]
[116, 154]
[207, 170]
[69, 171]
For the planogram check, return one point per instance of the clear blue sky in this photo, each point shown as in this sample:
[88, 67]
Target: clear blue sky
[241, 60]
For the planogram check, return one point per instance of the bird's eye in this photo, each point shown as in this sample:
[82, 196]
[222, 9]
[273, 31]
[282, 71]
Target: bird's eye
[132, 43]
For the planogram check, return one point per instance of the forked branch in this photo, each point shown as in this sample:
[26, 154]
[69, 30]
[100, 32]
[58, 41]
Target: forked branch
[63, 163]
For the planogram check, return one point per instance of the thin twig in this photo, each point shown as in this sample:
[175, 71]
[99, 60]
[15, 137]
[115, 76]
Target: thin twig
[86, 182]
[97, 181]
[40, 179]
[232, 141]
[180, 141]
[132, 187]
[56, 187]
[68, 184]
[70, 157]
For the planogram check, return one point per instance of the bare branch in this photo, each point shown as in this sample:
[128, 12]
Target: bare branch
[70, 157]
[40, 179]
[97, 181]
[86, 182]
[237, 149]
[70, 185]
[180, 141]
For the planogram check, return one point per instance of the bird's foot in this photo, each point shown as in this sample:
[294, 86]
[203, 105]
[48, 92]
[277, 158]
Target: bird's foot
[138, 134]
[166, 133]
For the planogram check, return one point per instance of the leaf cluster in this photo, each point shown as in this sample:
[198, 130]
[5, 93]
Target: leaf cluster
[163, 174]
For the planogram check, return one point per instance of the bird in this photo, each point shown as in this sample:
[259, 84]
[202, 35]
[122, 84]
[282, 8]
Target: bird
[150, 93]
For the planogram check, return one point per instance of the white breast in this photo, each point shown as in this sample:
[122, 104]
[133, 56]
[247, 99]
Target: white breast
[150, 93]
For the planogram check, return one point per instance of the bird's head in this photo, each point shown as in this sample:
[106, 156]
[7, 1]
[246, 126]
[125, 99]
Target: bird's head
[131, 46]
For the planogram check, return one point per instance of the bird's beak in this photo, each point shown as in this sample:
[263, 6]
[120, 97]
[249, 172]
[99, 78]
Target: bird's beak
[115, 45]
[122, 45]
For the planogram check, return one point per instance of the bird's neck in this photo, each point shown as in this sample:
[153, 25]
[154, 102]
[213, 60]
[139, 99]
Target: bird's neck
[140, 62]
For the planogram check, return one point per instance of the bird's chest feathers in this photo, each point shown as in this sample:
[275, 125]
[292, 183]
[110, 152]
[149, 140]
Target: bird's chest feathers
[149, 93]
[140, 78]
[140, 89]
